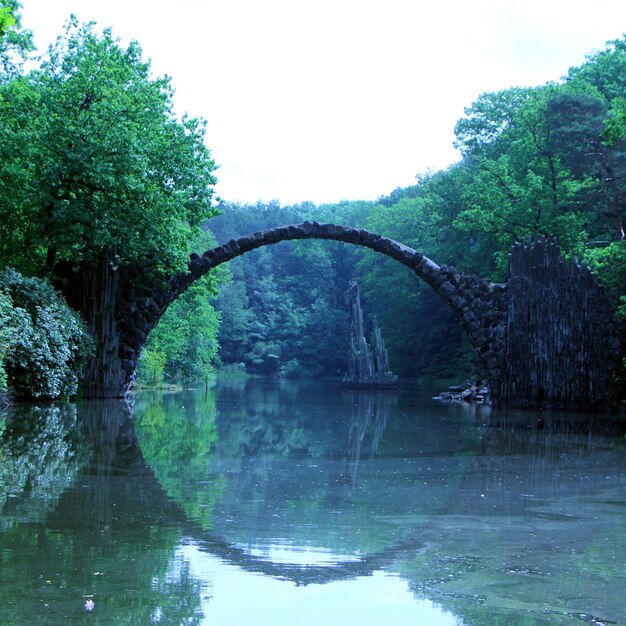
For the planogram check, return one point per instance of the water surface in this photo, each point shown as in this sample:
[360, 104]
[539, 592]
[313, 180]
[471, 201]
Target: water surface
[264, 502]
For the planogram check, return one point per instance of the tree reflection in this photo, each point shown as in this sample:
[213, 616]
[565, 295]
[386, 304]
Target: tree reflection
[41, 452]
[107, 534]
[181, 434]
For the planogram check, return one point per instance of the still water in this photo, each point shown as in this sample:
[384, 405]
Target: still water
[273, 503]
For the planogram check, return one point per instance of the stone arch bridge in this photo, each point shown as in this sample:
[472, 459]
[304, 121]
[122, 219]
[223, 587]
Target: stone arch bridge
[545, 337]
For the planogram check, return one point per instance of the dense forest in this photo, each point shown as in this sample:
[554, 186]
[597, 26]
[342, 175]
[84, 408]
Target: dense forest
[98, 172]
[284, 310]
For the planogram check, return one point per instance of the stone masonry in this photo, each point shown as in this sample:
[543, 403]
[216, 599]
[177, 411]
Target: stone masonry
[507, 324]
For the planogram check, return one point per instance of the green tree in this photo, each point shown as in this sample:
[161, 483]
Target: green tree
[579, 123]
[94, 163]
[183, 348]
[422, 335]
[234, 331]
[603, 70]
[519, 187]
[101, 184]
[487, 119]
[151, 366]
[284, 311]
[15, 42]
[616, 121]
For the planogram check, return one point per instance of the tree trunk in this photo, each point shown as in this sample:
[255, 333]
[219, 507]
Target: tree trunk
[93, 291]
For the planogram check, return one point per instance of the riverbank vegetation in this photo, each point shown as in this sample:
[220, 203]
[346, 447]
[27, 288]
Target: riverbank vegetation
[98, 173]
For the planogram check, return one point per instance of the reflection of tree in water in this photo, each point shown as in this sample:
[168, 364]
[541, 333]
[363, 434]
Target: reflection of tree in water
[369, 413]
[111, 535]
[181, 434]
[41, 452]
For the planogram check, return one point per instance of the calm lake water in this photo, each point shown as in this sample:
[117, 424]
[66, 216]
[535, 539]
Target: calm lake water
[276, 503]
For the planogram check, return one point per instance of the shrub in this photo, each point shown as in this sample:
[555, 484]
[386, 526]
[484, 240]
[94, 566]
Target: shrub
[44, 345]
[8, 334]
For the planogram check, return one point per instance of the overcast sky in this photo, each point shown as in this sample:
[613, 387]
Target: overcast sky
[326, 100]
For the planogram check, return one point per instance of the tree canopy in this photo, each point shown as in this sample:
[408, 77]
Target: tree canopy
[97, 174]
[94, 163]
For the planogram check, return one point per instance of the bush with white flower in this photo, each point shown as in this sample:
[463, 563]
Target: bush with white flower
[44, 345]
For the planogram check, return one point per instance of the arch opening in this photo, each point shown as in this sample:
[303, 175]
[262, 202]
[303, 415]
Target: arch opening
[469, 297]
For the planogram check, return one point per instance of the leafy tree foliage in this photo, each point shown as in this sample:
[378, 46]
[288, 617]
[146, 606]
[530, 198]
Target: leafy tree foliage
[95, 164]
[552, 155]
[97, 174]
[15, 42]
[517, 186]
[183, 348]
[578, 139]
[420, 331]
[284, 312]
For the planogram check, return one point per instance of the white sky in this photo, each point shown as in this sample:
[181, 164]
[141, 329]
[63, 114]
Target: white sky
[326, 100]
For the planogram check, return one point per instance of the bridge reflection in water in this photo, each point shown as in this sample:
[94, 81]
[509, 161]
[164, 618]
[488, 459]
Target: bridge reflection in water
[175, 511]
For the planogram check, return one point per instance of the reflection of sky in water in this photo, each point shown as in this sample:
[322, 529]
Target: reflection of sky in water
[233, 596]
[289, 554]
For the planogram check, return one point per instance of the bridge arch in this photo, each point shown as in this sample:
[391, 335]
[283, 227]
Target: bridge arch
[544, 338]
[473, 299]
